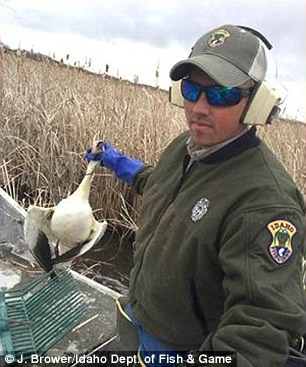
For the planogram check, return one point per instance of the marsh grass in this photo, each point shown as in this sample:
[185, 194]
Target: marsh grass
[51, 113]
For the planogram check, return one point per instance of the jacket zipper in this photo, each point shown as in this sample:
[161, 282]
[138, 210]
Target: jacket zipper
[179, 184]
[185, 169]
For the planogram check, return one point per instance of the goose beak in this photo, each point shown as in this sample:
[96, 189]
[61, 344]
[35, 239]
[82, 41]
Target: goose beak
[100, 145]
[97, 146]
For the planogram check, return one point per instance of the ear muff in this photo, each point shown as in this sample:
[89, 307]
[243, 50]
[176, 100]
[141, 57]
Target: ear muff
[175, 95]
[263, 106]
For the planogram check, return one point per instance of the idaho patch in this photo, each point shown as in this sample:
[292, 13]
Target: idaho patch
[282, 232]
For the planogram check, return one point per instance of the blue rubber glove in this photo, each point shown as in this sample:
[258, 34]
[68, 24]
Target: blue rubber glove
[124, 167]
[94, 156]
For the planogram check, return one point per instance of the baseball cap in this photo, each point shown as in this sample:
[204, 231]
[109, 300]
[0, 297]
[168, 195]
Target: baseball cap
[229, 54]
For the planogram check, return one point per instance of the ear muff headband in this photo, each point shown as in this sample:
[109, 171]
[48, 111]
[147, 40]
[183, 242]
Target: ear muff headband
[257, 34]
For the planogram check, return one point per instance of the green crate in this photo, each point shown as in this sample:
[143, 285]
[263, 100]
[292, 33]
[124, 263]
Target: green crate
[36, 317]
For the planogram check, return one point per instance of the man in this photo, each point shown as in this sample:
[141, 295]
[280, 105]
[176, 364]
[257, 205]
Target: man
[219, 251]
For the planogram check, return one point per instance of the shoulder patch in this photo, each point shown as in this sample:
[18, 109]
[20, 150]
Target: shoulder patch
[280, 248]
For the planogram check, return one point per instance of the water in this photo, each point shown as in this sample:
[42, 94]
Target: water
[8, 276]
[109, 262]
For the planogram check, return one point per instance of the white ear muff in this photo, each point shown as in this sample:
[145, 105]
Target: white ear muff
[263, 107]
[175, 95]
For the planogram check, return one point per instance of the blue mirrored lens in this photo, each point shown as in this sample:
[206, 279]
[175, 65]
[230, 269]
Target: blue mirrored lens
[190, 91]
[216, 95]
[223, 96]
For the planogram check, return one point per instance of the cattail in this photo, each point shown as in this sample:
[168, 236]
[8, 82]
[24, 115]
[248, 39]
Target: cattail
[157, 74]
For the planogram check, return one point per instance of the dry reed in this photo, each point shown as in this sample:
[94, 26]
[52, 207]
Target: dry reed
[50, 114]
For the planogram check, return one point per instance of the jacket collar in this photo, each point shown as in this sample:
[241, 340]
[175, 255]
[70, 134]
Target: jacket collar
[244, 142]
[198, 153]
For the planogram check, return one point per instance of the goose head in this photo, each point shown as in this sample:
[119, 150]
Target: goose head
[97, 149]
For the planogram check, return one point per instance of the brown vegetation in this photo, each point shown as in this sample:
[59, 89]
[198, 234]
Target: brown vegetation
[51, 113]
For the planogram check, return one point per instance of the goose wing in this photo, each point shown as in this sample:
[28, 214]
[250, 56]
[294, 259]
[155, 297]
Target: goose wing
[38, 235]
[97, 232]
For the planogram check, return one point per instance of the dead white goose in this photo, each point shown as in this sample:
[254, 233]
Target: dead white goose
[67, 230]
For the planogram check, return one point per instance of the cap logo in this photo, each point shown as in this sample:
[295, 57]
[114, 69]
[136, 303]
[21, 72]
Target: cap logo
[218, 38]
[282, 232]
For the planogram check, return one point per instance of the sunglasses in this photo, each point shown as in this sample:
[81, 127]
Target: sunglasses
[216, 95]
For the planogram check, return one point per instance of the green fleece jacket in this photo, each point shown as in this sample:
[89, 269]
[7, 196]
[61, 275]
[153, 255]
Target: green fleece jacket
[219, 251]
